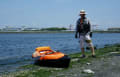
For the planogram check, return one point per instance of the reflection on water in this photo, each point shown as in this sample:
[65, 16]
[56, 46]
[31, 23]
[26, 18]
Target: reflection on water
[16, 49]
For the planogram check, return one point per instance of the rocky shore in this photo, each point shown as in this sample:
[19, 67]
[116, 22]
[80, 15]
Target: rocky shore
[106, 64]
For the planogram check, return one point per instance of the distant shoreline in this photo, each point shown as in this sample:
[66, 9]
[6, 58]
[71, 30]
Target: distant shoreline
[40, 32]
[58, 32]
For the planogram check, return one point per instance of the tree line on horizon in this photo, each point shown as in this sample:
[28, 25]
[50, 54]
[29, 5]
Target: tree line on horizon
[53, 29]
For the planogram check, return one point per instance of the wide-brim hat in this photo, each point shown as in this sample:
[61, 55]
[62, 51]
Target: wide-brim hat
[82, 12]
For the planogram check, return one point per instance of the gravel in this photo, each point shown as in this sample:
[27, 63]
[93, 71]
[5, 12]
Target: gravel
[104, 67]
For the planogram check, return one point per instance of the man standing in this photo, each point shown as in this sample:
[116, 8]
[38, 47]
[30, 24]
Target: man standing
[83, 30]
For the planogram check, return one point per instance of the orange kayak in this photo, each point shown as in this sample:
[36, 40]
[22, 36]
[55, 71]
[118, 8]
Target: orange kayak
[48, 56]
[53, 56]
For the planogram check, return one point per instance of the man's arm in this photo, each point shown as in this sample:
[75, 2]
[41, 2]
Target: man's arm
[90, 29]
[76, 33]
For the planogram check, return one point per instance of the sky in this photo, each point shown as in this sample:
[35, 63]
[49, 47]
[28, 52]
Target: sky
[58, 13]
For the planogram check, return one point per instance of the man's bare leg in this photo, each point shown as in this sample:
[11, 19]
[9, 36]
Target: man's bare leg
[83, 53]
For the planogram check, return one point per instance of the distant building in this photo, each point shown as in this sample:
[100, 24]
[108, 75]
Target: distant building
[11, 29]
[31, 29]
[95, 28]
[113, 29]
[71, 28]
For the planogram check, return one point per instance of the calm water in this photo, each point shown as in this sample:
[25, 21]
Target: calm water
[16, 49]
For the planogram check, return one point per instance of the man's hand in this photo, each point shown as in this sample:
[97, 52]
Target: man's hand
[76, 35]
[90, 34]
